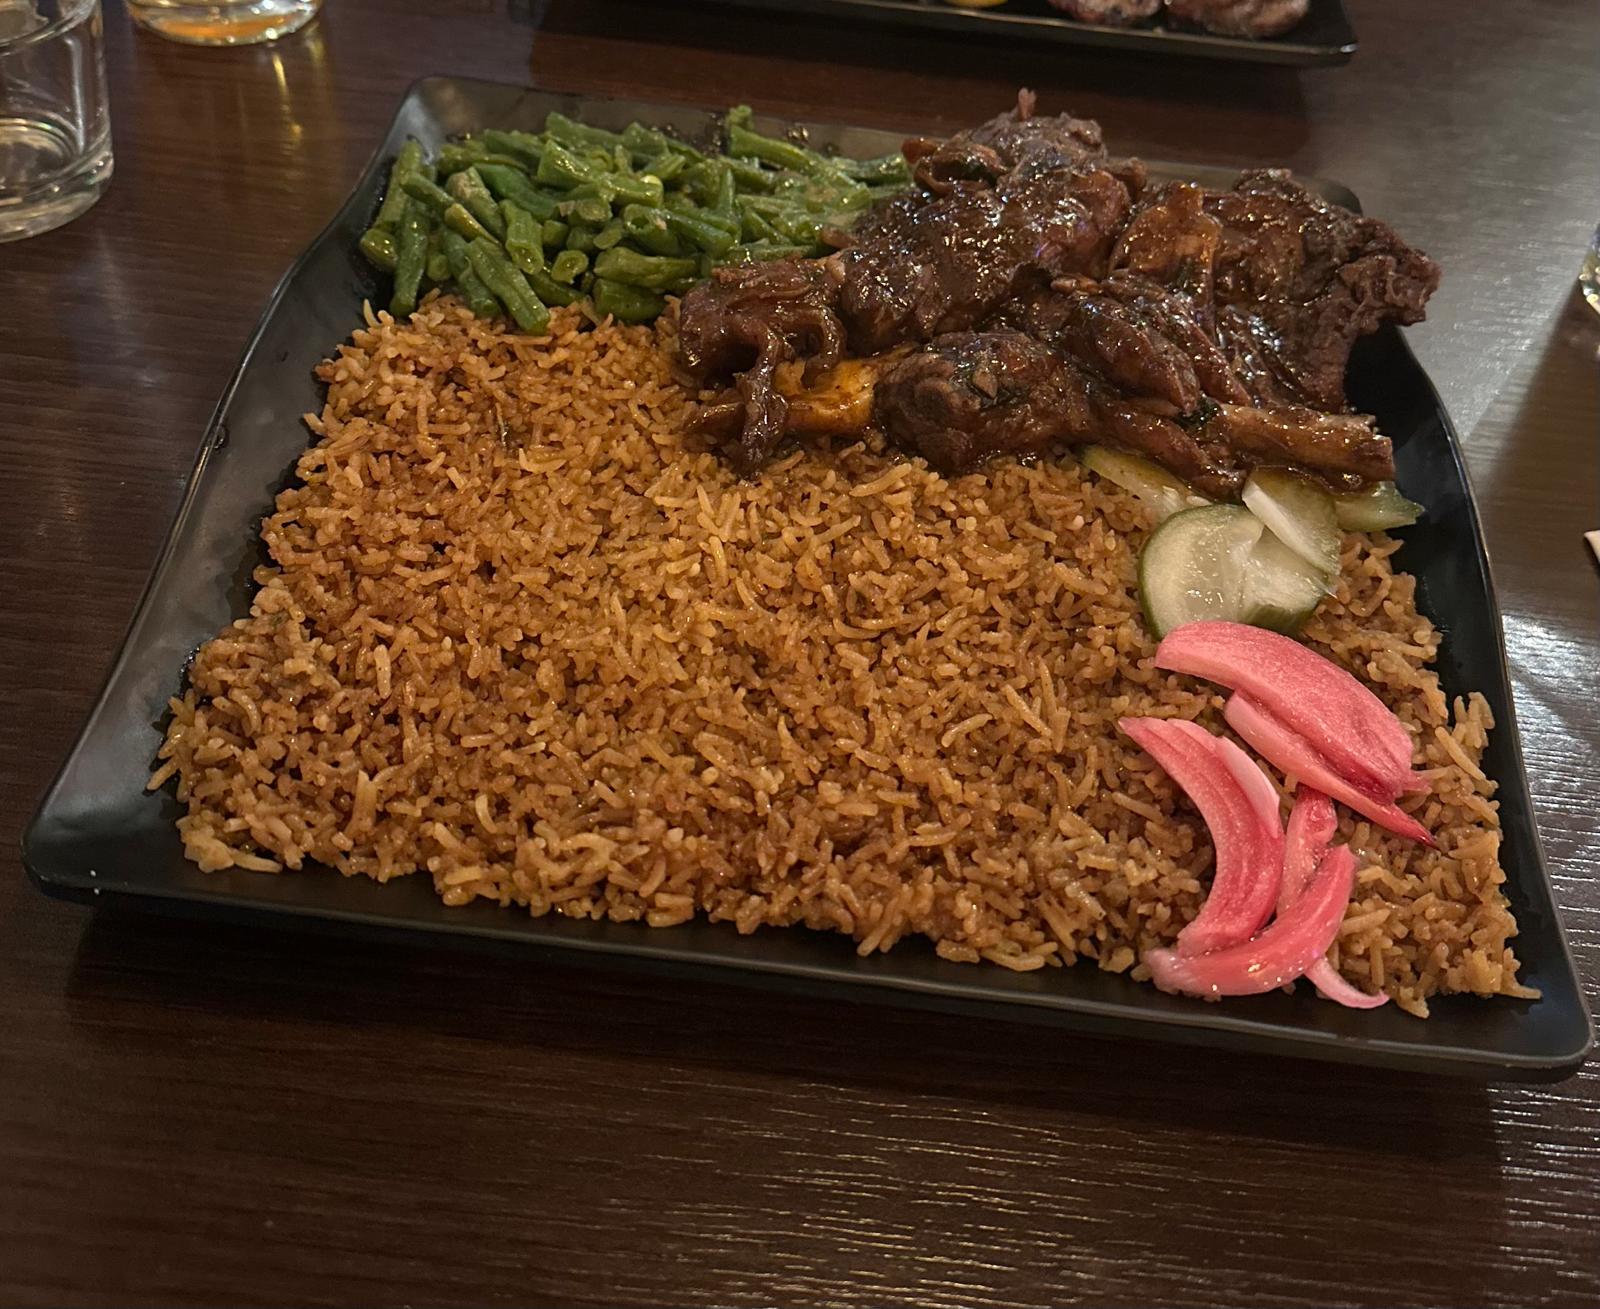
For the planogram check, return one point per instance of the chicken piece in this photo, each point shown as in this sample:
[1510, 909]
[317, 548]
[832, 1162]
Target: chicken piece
[1342, 449]
[1257, 18]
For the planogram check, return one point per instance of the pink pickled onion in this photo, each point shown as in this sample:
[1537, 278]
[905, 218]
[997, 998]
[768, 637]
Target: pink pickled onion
[1217, 776]
[1292, 944]
[1345, 722]
[1311, 827]
[1275, 741]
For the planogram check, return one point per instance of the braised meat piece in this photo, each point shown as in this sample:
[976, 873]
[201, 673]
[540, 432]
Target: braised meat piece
[1342, 449]
[1031, 290]
[747, 320]
[944, 263]
[1109, 13]
[1257, 18]
[982, 155]
[1298, 280]
[971, 396]
[1170, 239]
[1140, 337]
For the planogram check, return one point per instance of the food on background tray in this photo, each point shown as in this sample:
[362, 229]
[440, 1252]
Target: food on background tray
[1250, 18]
[527, 629]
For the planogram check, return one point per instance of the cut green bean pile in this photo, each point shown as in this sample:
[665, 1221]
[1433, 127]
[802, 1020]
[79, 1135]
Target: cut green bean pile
[514, 222]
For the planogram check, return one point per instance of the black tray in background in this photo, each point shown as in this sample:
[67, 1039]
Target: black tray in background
[97, 832]
[1323, 37]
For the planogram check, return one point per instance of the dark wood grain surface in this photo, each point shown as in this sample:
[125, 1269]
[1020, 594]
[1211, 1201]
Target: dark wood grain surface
[201, 1115]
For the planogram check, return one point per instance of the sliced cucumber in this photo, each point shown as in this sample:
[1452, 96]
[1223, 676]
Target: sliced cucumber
[1164, 492]
[1219, 562]
[1378, 508]
[1196, 565]
[1298, 512]
[1283, 588]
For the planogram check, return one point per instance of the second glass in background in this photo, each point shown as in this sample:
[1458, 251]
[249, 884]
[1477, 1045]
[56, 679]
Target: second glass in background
[55, 132]
[223, 22]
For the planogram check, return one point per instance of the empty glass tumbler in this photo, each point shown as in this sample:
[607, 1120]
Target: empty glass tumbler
[55, 132]
[224, 22]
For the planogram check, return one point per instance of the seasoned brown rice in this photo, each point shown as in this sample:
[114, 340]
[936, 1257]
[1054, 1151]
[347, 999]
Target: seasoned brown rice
[525, 635]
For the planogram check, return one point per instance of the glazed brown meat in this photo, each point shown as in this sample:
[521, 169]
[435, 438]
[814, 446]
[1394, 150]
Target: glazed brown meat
[748, 320]
[1298, 280]
[1109, 13]
[935, 264]
[1256, 18]
[1031, 290]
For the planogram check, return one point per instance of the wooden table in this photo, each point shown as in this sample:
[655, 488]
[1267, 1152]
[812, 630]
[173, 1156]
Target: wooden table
[196, 1115]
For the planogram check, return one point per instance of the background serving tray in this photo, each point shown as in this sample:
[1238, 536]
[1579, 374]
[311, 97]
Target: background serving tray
[98, 833]
[1324, 36]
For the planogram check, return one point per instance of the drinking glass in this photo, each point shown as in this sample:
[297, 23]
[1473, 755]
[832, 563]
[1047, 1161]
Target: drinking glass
[1589, 275]
[55, 133]
[223, 22]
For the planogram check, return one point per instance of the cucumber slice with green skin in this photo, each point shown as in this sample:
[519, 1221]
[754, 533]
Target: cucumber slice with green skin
[1219, 562]
[1165, 493]
[1194, 566]
[1284, 589]
[1298, 512]
[1377, 509]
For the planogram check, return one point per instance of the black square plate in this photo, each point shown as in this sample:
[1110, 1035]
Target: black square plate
[1323, 36]
[98, 831]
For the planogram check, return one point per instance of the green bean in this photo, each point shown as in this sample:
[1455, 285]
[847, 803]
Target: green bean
[696, 229]
[457, 155]
[467, 187]
[760, 251]
[649, 142]
[581, 237]
[569, 265]
[562, 130]
[468, 285]
[378, 246]
[553, 232]
[651, 228]
[755, 227]
[394, 196]
[524, 147]
[590, 209]
[886, 170]
[513, 184]
[665, 167]
[653, 272]
[438, 266]
[609, 235]
[562, 168]
[551, 291]
[461, 220]
[522, 237]
[770, 150]
[428, 191]
[498, 273]
[749, 174]
[411, 258]
[624, 302]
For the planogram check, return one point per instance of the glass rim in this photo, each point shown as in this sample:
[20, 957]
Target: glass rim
[72, 11]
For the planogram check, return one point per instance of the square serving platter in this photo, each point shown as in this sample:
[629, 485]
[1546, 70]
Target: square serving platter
[98, 835]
